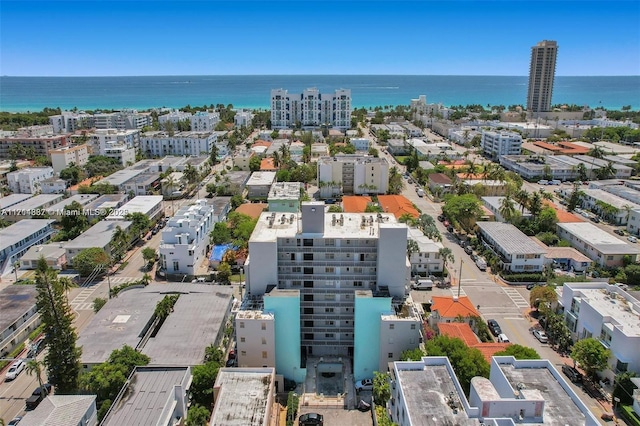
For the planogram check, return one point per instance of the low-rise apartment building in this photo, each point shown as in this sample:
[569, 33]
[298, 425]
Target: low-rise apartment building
[185, 239]
[28, 181]
[517, 252]
[352, 175]
[598, 245]
[609, 314]
[62, 158]
[495, 144]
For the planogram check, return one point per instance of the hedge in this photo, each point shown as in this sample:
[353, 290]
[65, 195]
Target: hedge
[629, 415]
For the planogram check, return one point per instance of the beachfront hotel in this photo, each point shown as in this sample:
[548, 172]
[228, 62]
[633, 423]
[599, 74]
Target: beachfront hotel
[541, 74]
[311, 109]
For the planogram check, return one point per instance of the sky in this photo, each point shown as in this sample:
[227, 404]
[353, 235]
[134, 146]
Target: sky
[454, 37]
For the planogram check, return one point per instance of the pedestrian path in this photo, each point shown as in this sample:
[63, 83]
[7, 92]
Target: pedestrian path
[516, 297]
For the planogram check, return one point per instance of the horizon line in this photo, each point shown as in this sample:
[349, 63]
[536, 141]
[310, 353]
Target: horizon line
[300, 75]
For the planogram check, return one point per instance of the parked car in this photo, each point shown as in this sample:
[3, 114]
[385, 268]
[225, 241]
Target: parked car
[366, 384]
[311, 419]
[502, 338]
[618, 231]
[632, 239]
[494, 327]
[574, 375]
[540, 335]
[15, 369]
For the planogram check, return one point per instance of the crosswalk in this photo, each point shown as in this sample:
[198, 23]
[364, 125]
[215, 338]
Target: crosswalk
[516, 297]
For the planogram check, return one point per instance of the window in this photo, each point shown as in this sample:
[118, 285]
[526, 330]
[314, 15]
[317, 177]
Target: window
[264, 354]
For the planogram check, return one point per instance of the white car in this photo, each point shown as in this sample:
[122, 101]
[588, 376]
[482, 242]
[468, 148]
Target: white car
[15, 369]
[366, 384]
[541, 336]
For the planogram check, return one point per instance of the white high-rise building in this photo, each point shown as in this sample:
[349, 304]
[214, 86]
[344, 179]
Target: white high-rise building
[185, 239]
[311, 109]
[541, 74]
[499, 143]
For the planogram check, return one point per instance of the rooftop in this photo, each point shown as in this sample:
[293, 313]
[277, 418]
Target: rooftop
[18, 231]
[285, 191]
[147, 394]
[426, 392]
[15, 300]
[243, 396]
[200, 309]
[345, 225]
[99, 235]
[59, 410]
[141, 204]
[510, 238]
[599, 239]
[261, 178]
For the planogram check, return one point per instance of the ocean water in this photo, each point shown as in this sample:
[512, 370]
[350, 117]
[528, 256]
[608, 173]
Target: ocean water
[92, 93]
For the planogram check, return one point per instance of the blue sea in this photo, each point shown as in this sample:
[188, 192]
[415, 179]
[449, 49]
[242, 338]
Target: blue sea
[93, 93]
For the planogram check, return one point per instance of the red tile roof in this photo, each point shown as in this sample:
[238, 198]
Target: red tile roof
[449, 308]
[355, 203]
[398, 205]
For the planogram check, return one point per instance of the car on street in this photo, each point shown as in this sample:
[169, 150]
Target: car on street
[366, 384]
[311, 419]
[618, 231]
[574, 375]
[540, 335]
[632, 239]
[494, 327]
[15, 369]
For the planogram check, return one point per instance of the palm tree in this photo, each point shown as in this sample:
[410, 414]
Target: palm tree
[507, 209]
[32, 367]
[447, 256]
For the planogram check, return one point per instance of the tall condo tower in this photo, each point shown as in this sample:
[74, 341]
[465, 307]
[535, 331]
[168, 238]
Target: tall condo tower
[541, 74]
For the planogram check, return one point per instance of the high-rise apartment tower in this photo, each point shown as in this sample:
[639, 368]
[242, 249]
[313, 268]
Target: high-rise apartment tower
[541, 74]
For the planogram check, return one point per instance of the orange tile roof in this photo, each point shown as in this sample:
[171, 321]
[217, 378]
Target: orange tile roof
[563, 216]
[267, 164]
[355, 203]
[398, 205]
[252, 209]
[461, 330]
[448, 308]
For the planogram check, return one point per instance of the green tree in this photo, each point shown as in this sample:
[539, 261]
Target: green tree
[519, 352]
[462, 209]
[591, 356]
[381, 388]
[254, 163]
[224, 273]
[63, 356]
[466, 362]
[198, 416]
[89, 259]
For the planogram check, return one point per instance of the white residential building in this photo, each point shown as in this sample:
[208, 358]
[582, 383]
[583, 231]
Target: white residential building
[427, 259]
[517, 252]
[361, 144]
[498, 143]
[243, 118]
[352, 175]
[609, 314]
[311, 108]
[325, 268]
[204, 121]
[62, 158]
[159, 144]
[185, 239]
[28, 181]
[596, 244]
